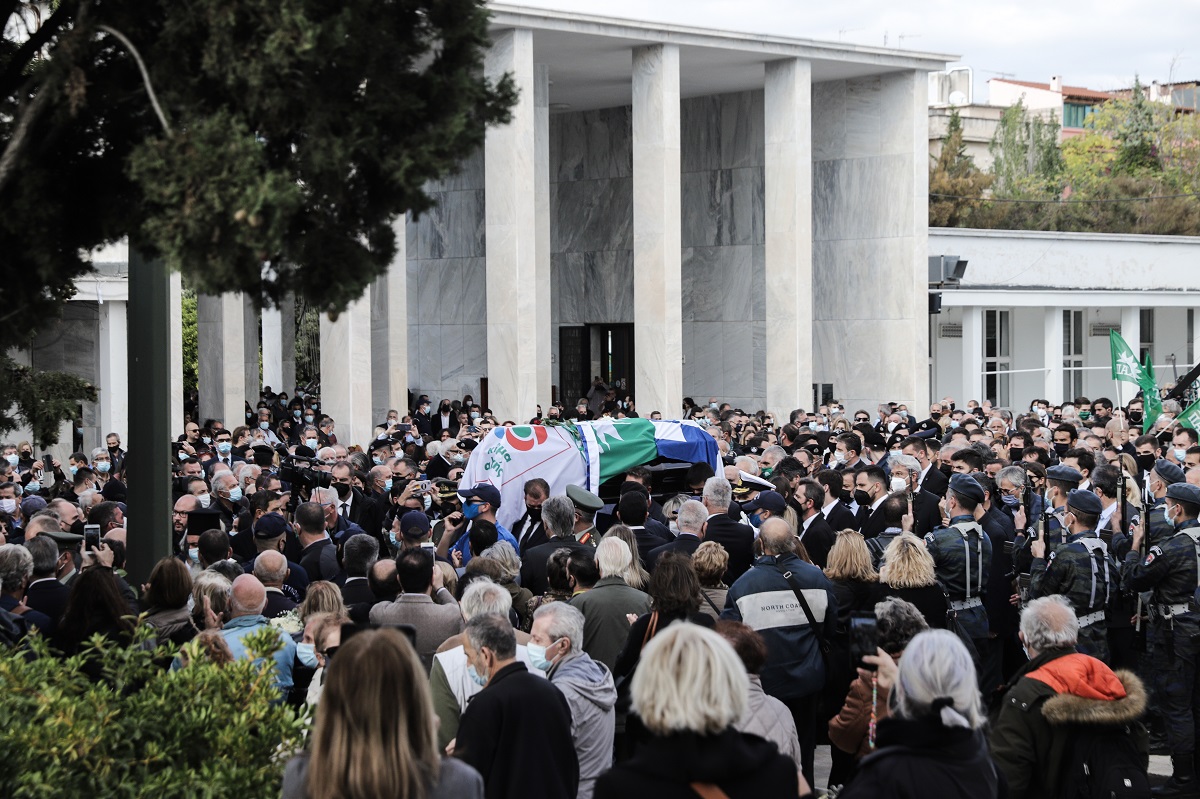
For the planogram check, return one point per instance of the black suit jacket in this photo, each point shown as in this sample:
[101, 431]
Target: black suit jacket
[684, 545]
[529, 533]
[49, 597]
[647, 542]
[926, 516]
[533, 563]
[818, 540]
[357, 592]
[871, 522]
[935, 482]
[436, 426]
[277, 604]
[840, 518]
[365, 512]
[738, 540]
[423, 424]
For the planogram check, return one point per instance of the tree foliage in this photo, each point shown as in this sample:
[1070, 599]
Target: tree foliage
[191, 348]
[954, 175]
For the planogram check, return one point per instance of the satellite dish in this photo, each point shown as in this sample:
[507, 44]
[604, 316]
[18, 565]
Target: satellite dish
[958, 98]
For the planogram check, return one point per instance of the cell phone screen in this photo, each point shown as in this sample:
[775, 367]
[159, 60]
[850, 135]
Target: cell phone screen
[864, 639]
[91, 536]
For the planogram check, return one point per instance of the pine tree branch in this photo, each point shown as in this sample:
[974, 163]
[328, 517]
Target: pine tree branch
[133, 51]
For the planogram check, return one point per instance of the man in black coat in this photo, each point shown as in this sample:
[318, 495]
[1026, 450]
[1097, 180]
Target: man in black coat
[516, 732]
[815, 532]
[691, 522]
[631, 512]
[931, 478]
[359, 553]
[558, 519]
[354, 505]
[737, 538]
[905, 474]
[528, 530]
[833, 509]
[45, 593]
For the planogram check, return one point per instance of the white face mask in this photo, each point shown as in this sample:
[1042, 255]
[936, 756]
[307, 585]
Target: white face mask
[839, 456]
[899, 484]
[205, 500]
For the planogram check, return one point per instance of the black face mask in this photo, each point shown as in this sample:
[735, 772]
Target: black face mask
[77, 527]
[845, 496]
[535, 514]
[1061, 449]
[342, 489]
[1135, 417]
[862, 497]
[946, 470]
[1145, 462]
[935, 415]
[1016, 453]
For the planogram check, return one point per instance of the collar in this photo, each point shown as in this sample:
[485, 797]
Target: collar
[964, 517]
[612, 579]
[826, 508]
[683, 533]
[66, 578]
[805, 524]
[245, 621]
[878, 502]
[352, 579]
[273, 590]
[1187, 525]
[892, 531]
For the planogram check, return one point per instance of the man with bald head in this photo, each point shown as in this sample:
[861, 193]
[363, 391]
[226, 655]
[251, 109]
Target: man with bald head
[271, 569]
[791, 604]
[245, 617]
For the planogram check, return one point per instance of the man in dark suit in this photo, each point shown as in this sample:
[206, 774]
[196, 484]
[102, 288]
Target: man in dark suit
[16, 570]
[528, 529]
[421, 420]
[359, 553]
[225, 453]
[354, 505]
[558, 519]
[444, 419]
[870, 489]
[833, 509]
[926, 515]
[632, 510]
[931, 478]
[45, 593]
[815, 532]
[691, 522]
[271, 569]
[737, 538]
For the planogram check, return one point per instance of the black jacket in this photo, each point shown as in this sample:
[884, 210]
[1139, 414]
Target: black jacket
[516, 733]
[647, 542]
[922, 758]
[366, 513]
[818, 540]
[533, 562]
[742, 765]
[840, 518]
[49, 597]
[358, 592]
[935, 482]
[738, 540]
[529, 533]
[685, 545]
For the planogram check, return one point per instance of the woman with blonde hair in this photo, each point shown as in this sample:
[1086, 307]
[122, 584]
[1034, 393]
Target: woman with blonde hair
[322, 597]
[375, 730]
[855, 581]
[908, 573]
[634, 575]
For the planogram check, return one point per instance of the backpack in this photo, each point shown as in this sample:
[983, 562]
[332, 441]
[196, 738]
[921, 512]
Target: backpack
[1105, 762]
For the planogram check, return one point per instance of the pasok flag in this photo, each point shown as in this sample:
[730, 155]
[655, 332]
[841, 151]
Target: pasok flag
[1125, 365]
[1152, 401]
[1191, 416]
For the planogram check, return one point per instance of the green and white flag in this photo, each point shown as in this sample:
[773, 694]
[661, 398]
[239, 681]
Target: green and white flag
[1125, 365]
[1151, 400]
[1191, 416]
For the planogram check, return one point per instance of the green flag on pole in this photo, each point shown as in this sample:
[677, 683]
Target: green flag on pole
[1125, 365]
[1150, 397]
[1191, 416]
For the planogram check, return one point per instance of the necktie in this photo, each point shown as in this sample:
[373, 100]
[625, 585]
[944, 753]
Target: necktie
[345, 508]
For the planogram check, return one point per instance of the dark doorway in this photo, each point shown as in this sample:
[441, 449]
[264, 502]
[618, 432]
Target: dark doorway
[574, 361]
[585, 351]
[616, 357]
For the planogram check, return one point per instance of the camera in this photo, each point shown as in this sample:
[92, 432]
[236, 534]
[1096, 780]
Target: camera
[300, 474]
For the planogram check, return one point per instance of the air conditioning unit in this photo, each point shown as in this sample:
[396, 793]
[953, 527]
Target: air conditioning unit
[1103, 329]
[950, 330]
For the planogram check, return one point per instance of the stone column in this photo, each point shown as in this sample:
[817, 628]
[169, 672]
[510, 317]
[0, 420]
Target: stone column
[287, 334]
[513, 308]
[346, 372]
[1052, 354]
[253, 377]
[541, 212]
[657, 294]
[787, 98]
[972, 355]
[1131, 330]
[272, 349]
[389, 332]
[221, 349]
[113, 346]
[175, 321]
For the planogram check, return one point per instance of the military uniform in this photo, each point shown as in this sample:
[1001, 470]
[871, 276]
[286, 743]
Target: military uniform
[1085, 573]
[1170, 570]
[962, 554]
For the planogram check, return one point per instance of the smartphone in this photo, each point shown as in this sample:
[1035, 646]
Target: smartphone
[428, 545]
[423, 485]
[91, 536]
[864, 639]
[403, 427]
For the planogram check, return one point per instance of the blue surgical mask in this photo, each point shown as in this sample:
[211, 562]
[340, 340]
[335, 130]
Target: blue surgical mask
[32, 487]
[471, 510]
[311, 443]
[459, 458]
[428, 501]
[307, 654]
[387, 485]
[1180, 454]
[755, 519]
[953, 425]
[206, 439]
[235, 494]
[475, 676]
[474, 414]
[395, 541]
[308, 419]
[378, 461]
[13, 460]
[73, 470]
[224, 447]
[263, 425]
[103, 466]
[296, 414]
[1010, 500]
[537, 656]
[194, 554]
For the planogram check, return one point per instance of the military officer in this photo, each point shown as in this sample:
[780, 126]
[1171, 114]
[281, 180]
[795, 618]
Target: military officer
[1170, 570]
[1082, 570]
[962, 554]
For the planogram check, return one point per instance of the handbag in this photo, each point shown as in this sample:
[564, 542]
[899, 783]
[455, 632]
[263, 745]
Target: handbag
[625, 682]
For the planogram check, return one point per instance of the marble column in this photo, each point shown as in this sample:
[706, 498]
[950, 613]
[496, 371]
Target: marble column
[272, 349]
[787, 98]
[514, 310]
[541, 213]
[657, 295]
[389, 331]
[175, 320]
[287, 334]
[250, 325]
[972, 355]
[1052, 354]
[221, 349]
[1131, 328]
[346, 372]
[113, 375]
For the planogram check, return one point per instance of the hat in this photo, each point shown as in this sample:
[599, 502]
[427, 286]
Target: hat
[1184, 492]
[584, 499]
[483, 492]
[447, 489]
[467, 443]
[269, 526]
[62, 539]
[964, 485]
[874, 440]
[1168, 472]
[114, 491]
[1064, 474]
[31, 505]
[415, 520]
[1084, 501]
[754, 483]
[740, 489]
[767, 500]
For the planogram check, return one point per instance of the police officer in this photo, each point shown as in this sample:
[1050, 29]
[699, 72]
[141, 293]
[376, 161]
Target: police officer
[962, 556]
[1164, 475]
[1060, 480]
[1171, 569]
[1081, 570]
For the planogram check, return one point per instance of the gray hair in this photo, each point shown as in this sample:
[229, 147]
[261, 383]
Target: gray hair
[775, 451]
[613, 556]
[217, 587]
[323, 496]
[493, 631]
[1049, 622]
[98, 451]
[558, 516]
[16, 564]
[484, 596]
[44, 553]
[1013, 474]
[936, 666]
[565, 621]
[747, 464]
[224, 481]
[907, 461]
[718, 492]
[503, 553]
[898, 623]
[359, 554]
[270, 567]
[692, 515]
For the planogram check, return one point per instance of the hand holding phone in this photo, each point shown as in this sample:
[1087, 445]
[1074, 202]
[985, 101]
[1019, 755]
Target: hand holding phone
[864, 640]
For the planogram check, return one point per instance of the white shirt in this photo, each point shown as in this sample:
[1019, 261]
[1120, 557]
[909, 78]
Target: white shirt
[825, 509]
[921, 479]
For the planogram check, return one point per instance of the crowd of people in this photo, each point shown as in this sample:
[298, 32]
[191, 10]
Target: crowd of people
[977, 603]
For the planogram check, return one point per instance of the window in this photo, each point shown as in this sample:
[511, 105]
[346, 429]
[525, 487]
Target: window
[822, 394]
[1072, 355]
[996, 357]
[1075, 114]
[1147, 333]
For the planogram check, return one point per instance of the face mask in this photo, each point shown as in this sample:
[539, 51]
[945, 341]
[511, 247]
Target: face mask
[474, 414]
[342, 489]
[235, 494]
[898, 484]
[1180, 454]
[1084, 415]
[535, 514]
[458, 457]
[296, 414]
[839, 456]
[224, 447]
[537, 656]
[205, 500]
[862, 497]
[1168, 513]
[32, 487]
[1145, 462]
[767, 472]
[194, 554]
[73, 470]
[311, 443]
[935, 415]
[378, 461]
[395, 541]
[470, 510]
[427, 501]
[755, 519]
[307, 654]
[475, 676]
[387, 485]
[1135, 417]
[1061, 449]
[846, 496]
[206, 439]
[12, 460]
[892, 426]
[954, 425]
[308, 419]
[1016, 453]
[263, 425]
[103, 467]
[1009, 500]
[9, 506]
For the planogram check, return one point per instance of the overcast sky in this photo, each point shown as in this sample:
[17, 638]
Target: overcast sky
[1099, 44]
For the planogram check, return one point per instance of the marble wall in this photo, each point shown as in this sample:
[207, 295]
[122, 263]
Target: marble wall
[71, 346]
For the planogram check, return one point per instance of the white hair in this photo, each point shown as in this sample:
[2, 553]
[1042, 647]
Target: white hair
[692, 516]
[907, 461]
[718, 492]
[937, 669]
[323, 496]
[565, 622]
[613, 556]
[747, 464]
[503, 553]
[1049, 622]
[689, 679]
[326, 454]
[484, 596]
[432, 449]
[98, 451]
